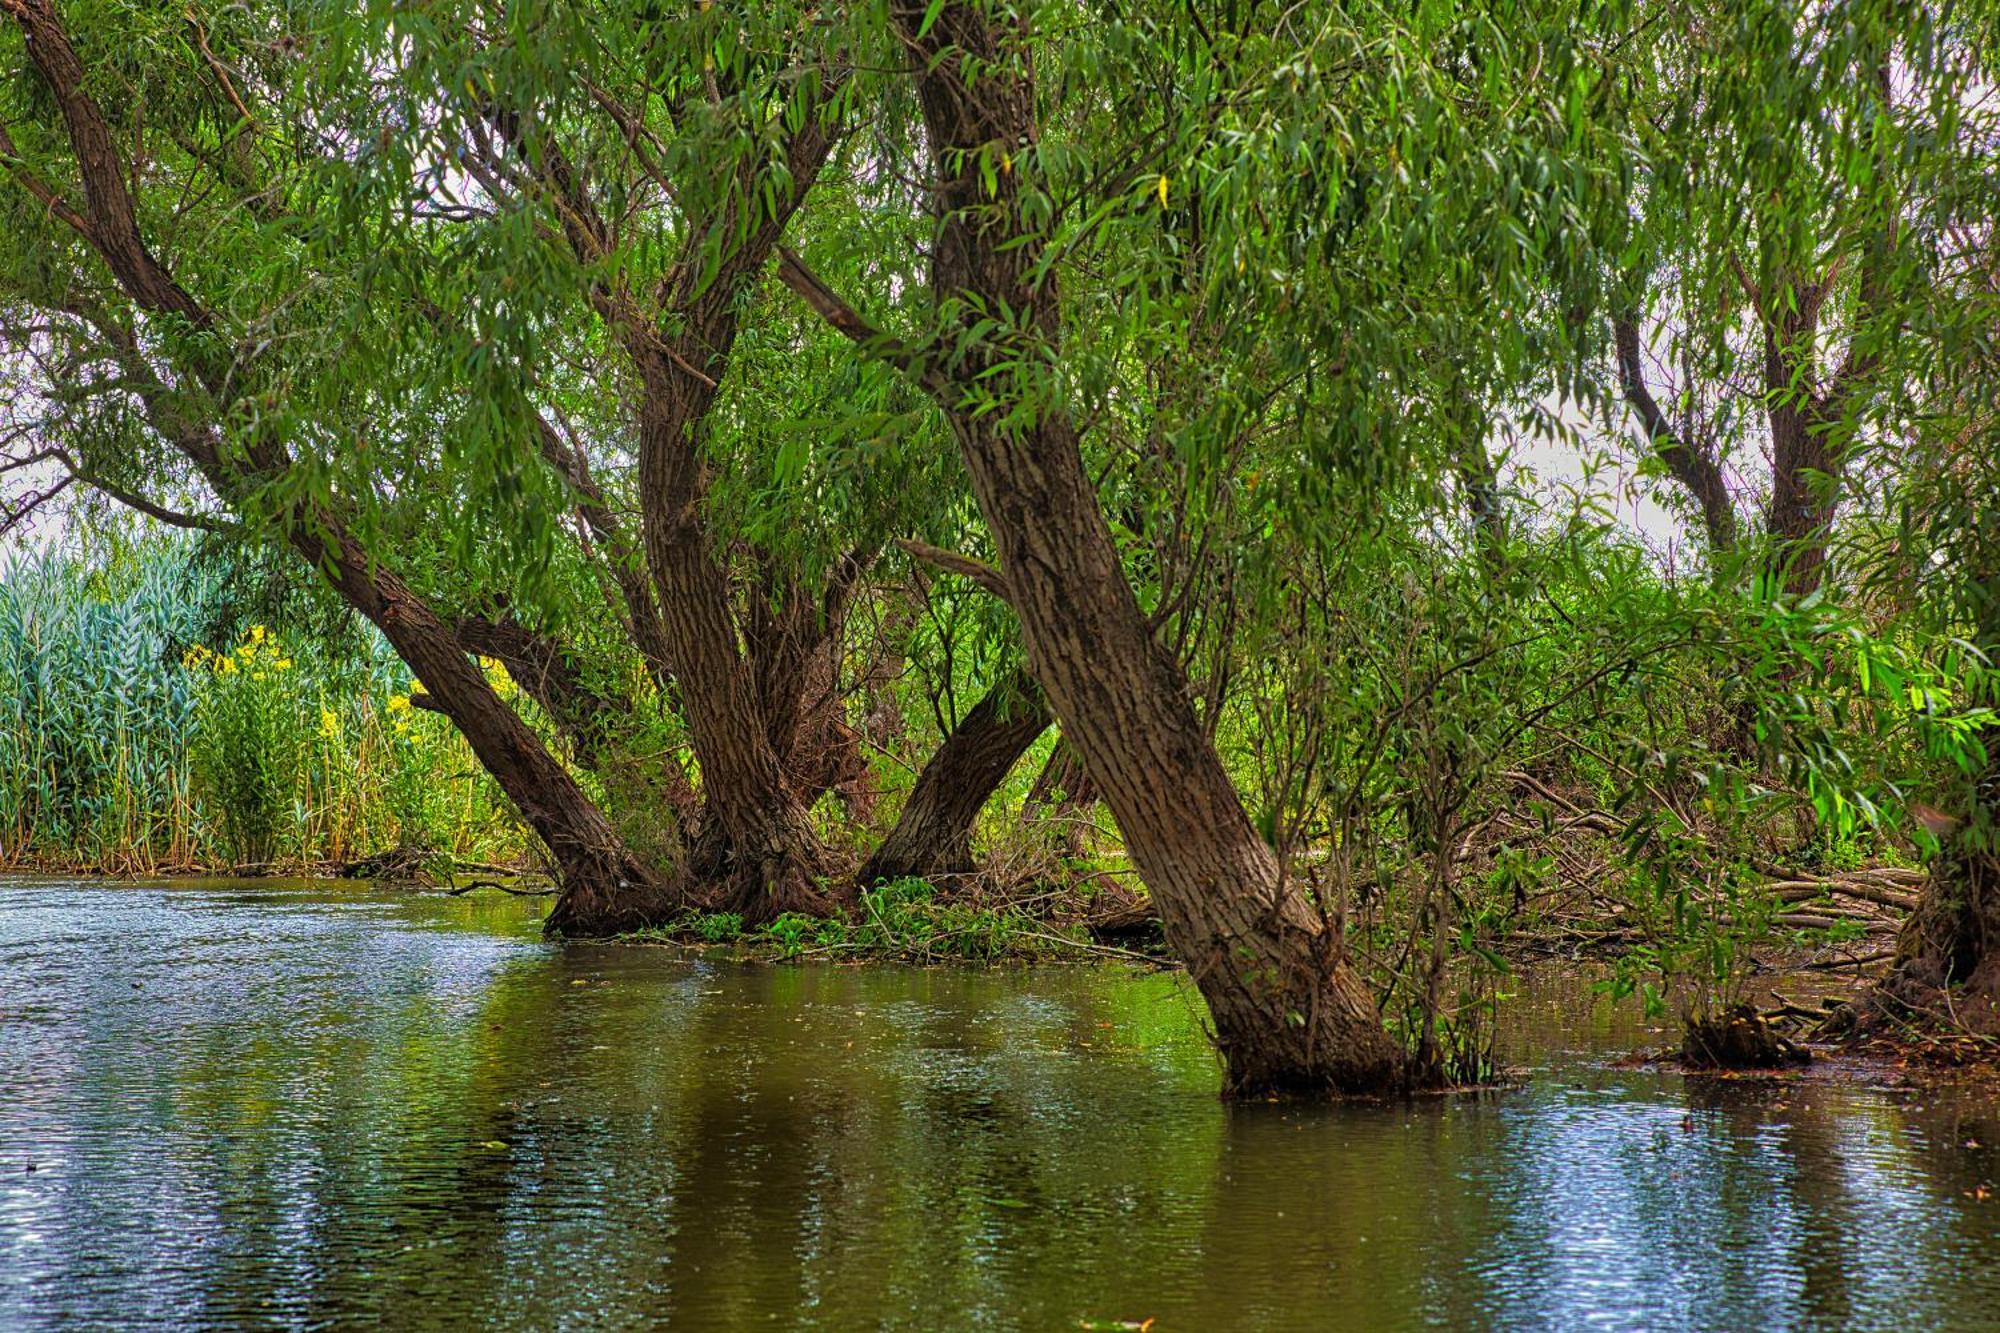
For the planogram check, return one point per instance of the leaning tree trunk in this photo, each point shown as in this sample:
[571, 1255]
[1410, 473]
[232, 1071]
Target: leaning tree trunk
[592, 722]
[1290, 1010]
[1691, 463]
[604, 889]
[933, 836]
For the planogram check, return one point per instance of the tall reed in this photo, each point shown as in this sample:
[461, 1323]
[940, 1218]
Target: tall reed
[139, 733]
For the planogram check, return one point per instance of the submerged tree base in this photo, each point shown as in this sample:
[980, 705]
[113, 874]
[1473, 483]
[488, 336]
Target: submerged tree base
[1738, 1038]
[609, 893]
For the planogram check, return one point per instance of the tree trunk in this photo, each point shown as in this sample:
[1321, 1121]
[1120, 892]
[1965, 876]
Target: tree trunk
[825, 754]
[1948, 953]
[796, 648]
[933, 835]
[1062, 793]
[593, 724]
[586, 719]
[1290, 1012]
[1805, 488]
[604, 889]
[775, 862]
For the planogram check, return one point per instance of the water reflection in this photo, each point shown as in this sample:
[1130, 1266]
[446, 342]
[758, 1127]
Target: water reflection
[305, 1106]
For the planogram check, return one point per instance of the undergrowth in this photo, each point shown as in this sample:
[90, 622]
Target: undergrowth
[903, 919]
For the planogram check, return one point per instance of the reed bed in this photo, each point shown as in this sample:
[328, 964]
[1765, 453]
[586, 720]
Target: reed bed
[143, 732]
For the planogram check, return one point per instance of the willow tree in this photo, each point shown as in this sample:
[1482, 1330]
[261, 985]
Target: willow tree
[1758, 307]
[182, 282]
[1302, 198]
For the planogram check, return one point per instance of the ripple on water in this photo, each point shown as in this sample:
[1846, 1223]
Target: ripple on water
[309, 1104]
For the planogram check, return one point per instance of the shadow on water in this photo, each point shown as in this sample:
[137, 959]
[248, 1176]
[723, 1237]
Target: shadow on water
[304, 1104]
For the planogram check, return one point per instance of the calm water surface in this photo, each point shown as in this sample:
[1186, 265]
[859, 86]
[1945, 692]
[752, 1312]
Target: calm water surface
[302, 1106]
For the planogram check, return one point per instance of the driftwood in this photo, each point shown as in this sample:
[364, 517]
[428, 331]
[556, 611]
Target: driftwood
[470, 885]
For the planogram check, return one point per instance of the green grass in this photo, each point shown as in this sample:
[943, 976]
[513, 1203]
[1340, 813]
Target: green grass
[904, 920]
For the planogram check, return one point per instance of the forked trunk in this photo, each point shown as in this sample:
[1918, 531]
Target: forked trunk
[762, 858]
[933, 836]
[1290, 1011]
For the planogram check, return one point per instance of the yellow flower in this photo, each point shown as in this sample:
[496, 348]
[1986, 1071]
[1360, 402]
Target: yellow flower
[497, 677]
[256, 675]
[329, 725]
[398, 702]
[257, 633]
[283, 664]
[1162, 187]
[224, 665]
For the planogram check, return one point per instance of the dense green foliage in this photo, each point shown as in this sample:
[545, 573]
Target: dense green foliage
[654, 350]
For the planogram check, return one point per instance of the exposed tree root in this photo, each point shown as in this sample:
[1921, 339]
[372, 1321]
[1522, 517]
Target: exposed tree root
[1738, 1038]
[612, 893]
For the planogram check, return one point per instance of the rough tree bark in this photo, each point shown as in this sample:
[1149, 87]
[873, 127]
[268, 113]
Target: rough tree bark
[796, 642]
[757, 853]
[1290, 1011]
[1806, 466]
[603, 886]
[825, 753]
[932, 838]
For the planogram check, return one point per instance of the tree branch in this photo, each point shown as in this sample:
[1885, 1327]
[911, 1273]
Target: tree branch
[978, 571]
[133, 500]
[1693, 467]
[42, 191]
[845, 320]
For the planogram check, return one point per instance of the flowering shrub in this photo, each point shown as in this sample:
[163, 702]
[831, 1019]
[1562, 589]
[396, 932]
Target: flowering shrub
[249, 741]
[300, 762]
[124, 749]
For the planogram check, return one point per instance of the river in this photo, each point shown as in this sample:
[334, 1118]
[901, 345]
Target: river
[298, 1105]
